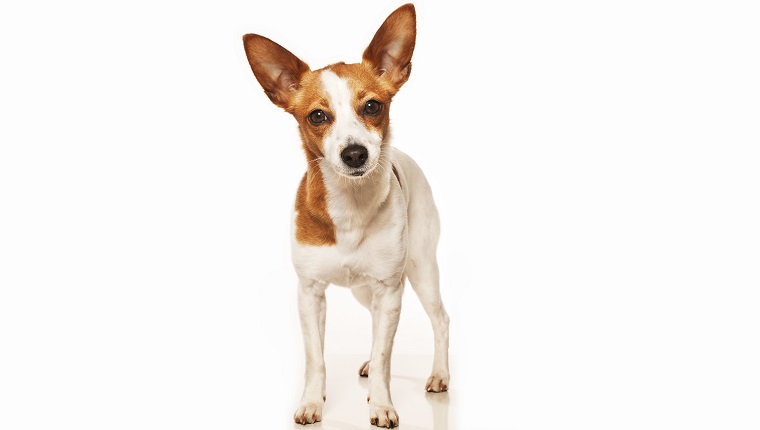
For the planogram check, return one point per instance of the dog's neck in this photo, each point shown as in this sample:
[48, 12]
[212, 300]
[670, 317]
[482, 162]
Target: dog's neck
[355, 202]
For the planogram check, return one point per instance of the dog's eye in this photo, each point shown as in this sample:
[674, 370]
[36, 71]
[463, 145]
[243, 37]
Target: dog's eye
[317, 117]
[372, 107]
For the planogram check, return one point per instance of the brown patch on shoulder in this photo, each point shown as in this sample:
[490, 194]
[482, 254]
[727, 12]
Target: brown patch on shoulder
[313, 223]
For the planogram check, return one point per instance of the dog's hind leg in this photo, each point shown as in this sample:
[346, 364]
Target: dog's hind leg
[363, 295]
[422, 265]
[423, 275]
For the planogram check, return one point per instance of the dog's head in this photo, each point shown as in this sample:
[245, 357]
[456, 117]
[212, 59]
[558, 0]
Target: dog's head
[342, 109]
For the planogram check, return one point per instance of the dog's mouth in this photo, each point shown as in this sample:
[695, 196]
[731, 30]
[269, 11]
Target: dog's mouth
[355, 173]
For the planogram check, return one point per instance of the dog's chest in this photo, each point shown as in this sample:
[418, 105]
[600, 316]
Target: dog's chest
[364, 252]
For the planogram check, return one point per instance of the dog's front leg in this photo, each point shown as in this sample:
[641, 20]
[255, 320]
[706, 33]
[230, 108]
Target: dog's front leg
[386, 309]
[311, 310]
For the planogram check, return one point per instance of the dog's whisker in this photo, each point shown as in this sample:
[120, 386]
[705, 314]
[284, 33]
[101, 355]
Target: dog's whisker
[316, 160]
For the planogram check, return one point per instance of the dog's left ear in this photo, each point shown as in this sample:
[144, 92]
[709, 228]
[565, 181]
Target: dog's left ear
[390, 52]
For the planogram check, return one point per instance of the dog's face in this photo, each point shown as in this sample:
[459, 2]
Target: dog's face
[342, 110]
[342, 113]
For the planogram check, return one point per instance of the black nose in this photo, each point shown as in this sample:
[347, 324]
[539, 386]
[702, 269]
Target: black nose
[354, 155]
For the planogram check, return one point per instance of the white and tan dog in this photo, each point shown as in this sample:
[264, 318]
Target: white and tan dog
[364, 214]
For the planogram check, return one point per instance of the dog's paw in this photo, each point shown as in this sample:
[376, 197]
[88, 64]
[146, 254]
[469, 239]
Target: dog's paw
[308, 413]
[364, 370]
[437, 382]
[383, 416]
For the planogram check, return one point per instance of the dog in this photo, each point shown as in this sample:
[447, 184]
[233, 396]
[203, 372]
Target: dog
[364, 215]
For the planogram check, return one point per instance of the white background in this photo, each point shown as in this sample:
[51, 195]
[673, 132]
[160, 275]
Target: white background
[595, 165]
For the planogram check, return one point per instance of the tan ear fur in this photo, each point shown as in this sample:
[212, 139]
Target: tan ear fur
[390, 52]
[278, 71]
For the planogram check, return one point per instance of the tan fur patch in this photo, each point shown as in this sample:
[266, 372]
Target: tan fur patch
[313, 223]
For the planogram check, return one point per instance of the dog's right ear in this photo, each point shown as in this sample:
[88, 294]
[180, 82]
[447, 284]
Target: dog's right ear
[278, 71]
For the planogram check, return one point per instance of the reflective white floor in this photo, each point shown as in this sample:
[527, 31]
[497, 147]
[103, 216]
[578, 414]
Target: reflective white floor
[346, 406]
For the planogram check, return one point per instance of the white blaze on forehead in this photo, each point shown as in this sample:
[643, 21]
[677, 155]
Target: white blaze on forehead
[340, 98]
[347, 127]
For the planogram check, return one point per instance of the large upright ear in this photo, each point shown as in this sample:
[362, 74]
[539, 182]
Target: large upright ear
[278, 71]
[390, 52]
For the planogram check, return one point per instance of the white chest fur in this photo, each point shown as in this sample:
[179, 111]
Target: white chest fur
[370, 218]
